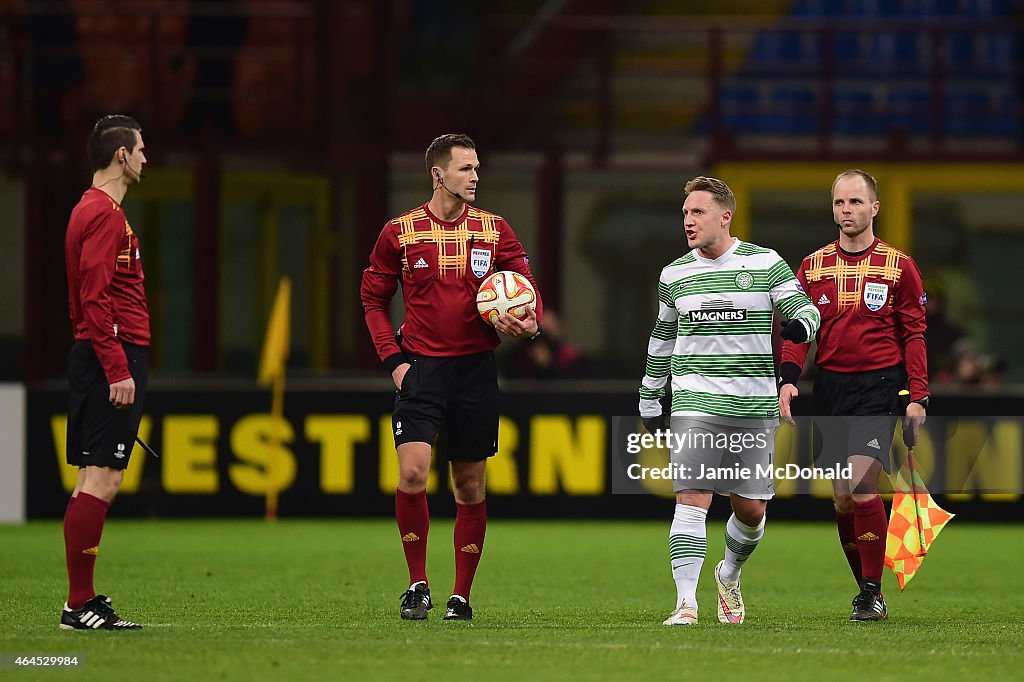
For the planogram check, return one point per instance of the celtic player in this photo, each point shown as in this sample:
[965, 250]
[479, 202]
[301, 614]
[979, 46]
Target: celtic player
[714, 338]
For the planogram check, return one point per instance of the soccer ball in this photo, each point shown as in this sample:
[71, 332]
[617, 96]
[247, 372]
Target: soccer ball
[505, 292]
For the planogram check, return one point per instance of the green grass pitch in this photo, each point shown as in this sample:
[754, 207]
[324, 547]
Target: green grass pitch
[553, 600]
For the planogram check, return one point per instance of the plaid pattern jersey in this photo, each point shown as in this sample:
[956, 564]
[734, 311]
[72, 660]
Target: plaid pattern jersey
[872, 307]
[440, 266]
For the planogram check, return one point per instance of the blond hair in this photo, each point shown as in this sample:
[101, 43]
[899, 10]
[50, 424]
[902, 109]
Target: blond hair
[869, 180]
[723, 196]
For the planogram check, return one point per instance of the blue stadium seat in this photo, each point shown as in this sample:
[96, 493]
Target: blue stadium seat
[817, 8]
[790, 110]
[990, 55]
[908, 9]
[738, 105]
[847, 48]
[1005, 113]
[910, 111]
[856, 113]
[789, 47]
[858, 8]
[809, 8]
[981, 9]
[902, 49]
[916, 8]
[964, 112]
[980, 75]
[981, 112]
[960, 49]
[997, 51]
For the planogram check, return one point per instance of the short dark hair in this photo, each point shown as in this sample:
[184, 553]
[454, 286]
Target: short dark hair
[439, 153]
[869, 180]
[720, 191]
[108, 135]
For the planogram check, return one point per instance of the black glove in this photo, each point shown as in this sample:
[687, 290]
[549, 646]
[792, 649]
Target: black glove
[652, 424]
[794, 330]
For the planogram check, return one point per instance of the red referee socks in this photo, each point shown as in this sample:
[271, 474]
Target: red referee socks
[848, 541]
[67, 513]
[413, 518]
[470, 527]
[871, 525]
[83, 527]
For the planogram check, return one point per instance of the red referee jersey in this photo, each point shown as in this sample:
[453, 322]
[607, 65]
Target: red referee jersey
[440, 265]
[872, 312]
[105, 292]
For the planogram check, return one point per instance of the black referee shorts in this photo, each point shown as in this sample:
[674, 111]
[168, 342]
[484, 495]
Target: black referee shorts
[457, 397]
[857, 414]
[98, 433]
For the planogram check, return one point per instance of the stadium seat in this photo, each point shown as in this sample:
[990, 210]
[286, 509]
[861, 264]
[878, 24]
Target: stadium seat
[855, 112]
[909, 111]
[856, 8]
[738, 105]
[808, 8]
[980, 73]
[791, 110]
[847, 48]
[981, 113]
[786, 48]
[947, 8]
[996, 52]
[960, 48]
[981, 9]
[896, 49]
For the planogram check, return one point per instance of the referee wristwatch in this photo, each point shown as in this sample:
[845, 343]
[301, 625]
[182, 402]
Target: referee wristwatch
[536, 334]
[923, 402]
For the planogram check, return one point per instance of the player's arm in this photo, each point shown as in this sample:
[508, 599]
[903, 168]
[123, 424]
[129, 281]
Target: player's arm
[659, 359]
[789, 295]
[909, 304]
[909, 312]
[510, 255]
[101, 243]
[380, 282]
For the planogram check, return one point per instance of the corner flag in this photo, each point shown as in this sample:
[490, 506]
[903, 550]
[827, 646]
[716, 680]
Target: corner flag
[272, 367]
[275, 345]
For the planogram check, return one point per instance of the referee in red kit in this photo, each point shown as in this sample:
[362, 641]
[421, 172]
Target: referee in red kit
[870, 345]
[443, 363]
[108, 362]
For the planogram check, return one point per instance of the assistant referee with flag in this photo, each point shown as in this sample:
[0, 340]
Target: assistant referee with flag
[870, 345]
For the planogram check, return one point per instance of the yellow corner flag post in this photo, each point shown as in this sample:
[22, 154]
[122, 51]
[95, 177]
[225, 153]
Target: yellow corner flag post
[272, 370]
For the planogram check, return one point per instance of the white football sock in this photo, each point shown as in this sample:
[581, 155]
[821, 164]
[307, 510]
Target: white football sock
[740, 542]
[687, 543]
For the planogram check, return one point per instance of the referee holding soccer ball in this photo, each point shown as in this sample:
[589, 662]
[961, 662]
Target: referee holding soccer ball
[442, 360]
